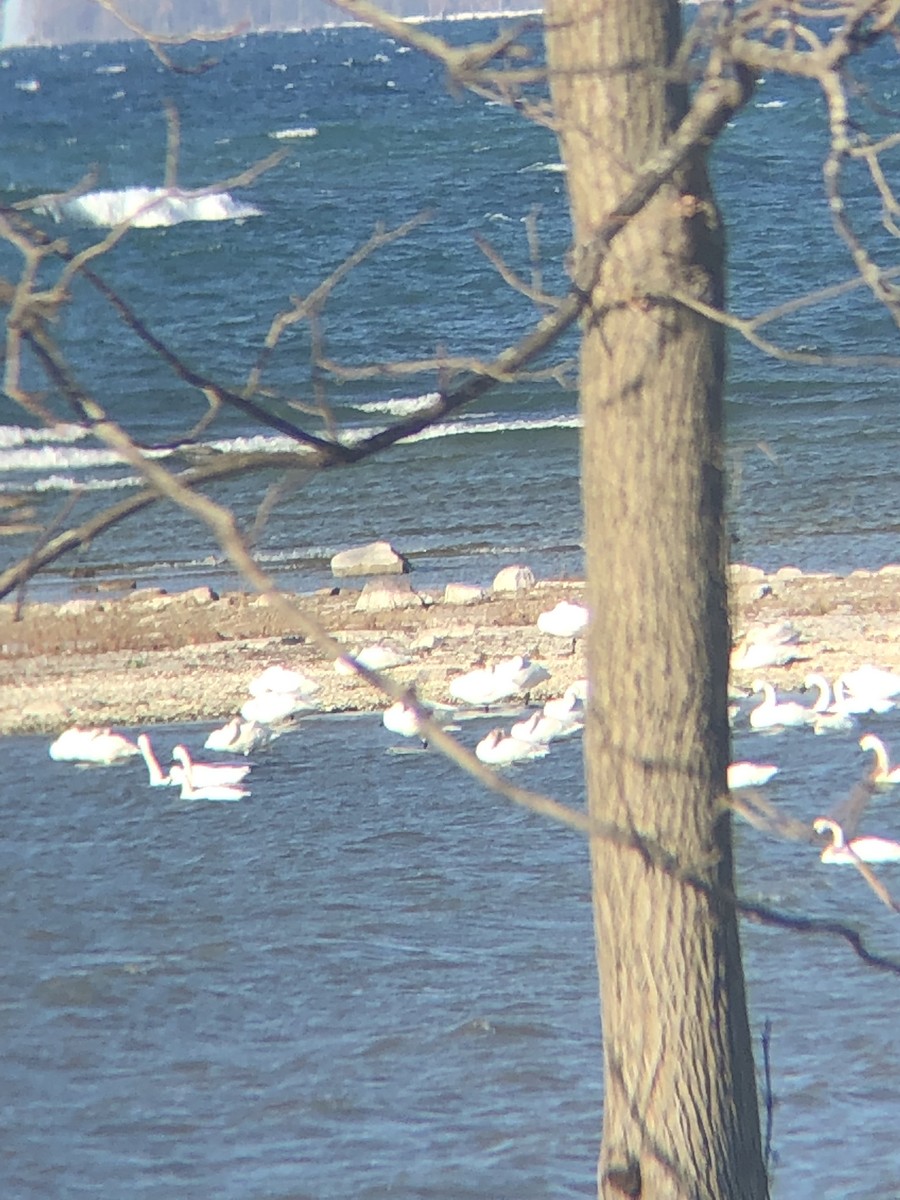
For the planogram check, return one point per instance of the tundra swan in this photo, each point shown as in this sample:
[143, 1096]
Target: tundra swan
[863, 702]
[499, 750]
[750, 774]
[569, 707]
[100, 746]
[212, 791]
[482, 687]
[883, 772]
[765, 646]
[157, 778]
[566, 620]
[203, 774]
[860, 849]
[282, 679]
[772, 715]
[239, 737]
[539, 729]
[826, 717]
[869, 680]
[274, 708]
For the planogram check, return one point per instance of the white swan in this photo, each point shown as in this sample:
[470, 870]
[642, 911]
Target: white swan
[765, 646]
[826, 717]
[212, 791]
[869, 680]
[566, 620]
[860, 849]
[749, 774]
[240, 737]
[283, 680]
[206, 774]
[524, 673]
[570, 706]
[99, 746]
[772, 715]
[499, 750]
[864, 702]
[482, 687]
[274, 708]
[539, 729]
[157, 778]
[883, 772]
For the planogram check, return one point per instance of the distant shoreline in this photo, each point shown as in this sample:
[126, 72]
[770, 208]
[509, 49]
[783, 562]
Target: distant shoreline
[39, 43]
[153, 658]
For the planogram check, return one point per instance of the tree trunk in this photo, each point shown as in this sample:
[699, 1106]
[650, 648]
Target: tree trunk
[680, 1106]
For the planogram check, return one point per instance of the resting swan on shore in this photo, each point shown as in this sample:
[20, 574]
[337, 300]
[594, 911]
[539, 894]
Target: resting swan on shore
[859, 849]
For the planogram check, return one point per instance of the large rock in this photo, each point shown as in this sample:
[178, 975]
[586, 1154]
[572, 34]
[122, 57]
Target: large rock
[381, 594]
[516, 578]
[378, 558]
[463, 593]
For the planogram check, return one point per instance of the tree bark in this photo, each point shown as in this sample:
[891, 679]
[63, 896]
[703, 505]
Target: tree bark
[680, 1107]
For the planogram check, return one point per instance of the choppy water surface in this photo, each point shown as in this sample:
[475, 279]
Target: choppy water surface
[371, 979]
[372, 136]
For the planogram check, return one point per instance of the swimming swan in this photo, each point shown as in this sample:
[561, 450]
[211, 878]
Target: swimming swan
[157, 778]
[539, 729]
[827, 718]
[860, 849]
[212, 791]
[862, 702]
[99, 746]
[882, 772]
[497, 749]
[749, 774]
[772, 715]
[868, 680]
[240, 737]
[205, 774]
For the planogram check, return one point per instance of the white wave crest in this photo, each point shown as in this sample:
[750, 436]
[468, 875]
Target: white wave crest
[401, 407]
[543, 166]
[457, 428]
[18, 435]
[301, 131]
[148, 208]
[68, 483]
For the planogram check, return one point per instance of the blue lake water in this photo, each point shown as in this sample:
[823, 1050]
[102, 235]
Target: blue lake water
[371, 979]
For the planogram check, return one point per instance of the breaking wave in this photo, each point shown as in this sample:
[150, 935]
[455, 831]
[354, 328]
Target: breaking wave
[148, 208]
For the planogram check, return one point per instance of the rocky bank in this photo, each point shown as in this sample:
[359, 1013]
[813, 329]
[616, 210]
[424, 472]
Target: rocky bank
[146, 657]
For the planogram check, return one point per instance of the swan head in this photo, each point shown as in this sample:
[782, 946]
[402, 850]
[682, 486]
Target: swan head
[869, 741]
[826, 825]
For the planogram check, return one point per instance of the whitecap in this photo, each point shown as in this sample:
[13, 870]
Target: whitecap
[112, 69]
[68, 483]
[19, 435]
[301, 131]
[400, 407]
[148, 208]
[28, 85]
[771, 104]
[543, 166]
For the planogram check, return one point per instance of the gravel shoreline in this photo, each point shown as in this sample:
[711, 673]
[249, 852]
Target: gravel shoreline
[151, 658]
